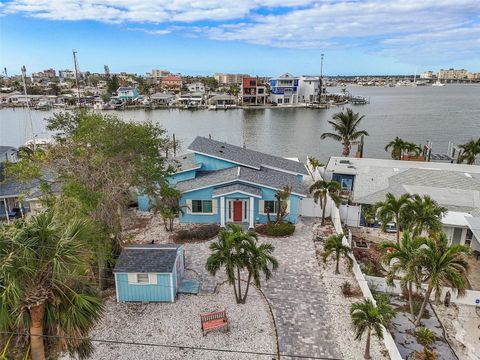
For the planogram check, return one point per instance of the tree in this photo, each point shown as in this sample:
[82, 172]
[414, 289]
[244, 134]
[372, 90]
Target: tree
[282, 196]
[168, 206]
[99, 159]
[403, 258]
[237, 250]
[334, 245]
[442, 265]
[423, 214]
[397, 146]
[112, 84]
[470, 151]
[368, 212]
[320, 189]
[44, 290]
[393, 209]
[346, 129]
[314, 165]
[366, 317]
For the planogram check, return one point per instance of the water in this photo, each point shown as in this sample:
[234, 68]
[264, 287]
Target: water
[439, 114]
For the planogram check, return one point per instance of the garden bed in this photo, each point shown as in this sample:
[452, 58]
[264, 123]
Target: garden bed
[203, 232]
[276, 230]
[369, 259]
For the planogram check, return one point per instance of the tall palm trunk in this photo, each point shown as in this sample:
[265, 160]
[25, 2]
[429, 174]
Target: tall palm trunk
[36, 331]
[239, 299]
[244, 300]
[410, 299]
[337, 270]
[424, 305]
[346, 149]
[367, 346]
[397, 225]
[324, 208]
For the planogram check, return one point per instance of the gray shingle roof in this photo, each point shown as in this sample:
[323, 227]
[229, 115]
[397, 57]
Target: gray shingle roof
[184, 162]
[263, 177]
[147, 258]
[245, 157]
[236, 188]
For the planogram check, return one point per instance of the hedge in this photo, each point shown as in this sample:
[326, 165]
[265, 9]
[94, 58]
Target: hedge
[280, 229]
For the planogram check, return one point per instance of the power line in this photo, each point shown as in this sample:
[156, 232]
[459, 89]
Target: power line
[174, 346]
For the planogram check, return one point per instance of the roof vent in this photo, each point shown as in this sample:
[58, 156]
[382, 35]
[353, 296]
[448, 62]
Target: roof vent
[184, 158]
[344, 161]
[220, 151]
[222, 146]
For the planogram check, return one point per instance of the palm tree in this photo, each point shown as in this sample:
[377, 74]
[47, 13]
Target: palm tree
[412, 149]
[334, 245]
[314, 165]
[368, 317]
[319, 189]
[260, 261]
[392, 209]
[346, 127]
[397, 146]
[442, 265]
[282, 196]
[403, 258]
[423, 214]
[237, 250]
[469, 153]
[41, 293]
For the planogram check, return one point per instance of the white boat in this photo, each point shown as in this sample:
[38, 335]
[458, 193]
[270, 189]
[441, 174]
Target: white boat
[438, 83]
[212, 107]
[42, 105]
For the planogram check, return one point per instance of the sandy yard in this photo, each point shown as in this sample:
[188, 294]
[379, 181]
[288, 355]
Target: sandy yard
[342, 323]
[251, 328]
[462, 325]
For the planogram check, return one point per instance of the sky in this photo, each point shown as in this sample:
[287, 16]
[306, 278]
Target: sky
[257, 37]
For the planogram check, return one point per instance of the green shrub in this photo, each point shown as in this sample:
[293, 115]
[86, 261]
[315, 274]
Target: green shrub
[425, 336]
[347, 289]
[201, 232]
[280, 229]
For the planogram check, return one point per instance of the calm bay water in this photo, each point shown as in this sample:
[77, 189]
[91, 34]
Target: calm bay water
[439, 114]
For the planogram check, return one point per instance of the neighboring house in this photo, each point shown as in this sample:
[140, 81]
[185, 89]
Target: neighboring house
[308, 89]
[127, 92]
[222, 183]
[191, 99]
[172, 82]
[149, 272]
[196, 87]
[162, 98]
[454, 186]
[223, 100]
[252, 91]
[284, 89]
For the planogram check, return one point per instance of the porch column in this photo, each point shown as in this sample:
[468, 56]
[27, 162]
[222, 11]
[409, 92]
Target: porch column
[252, 210]
[222, 211]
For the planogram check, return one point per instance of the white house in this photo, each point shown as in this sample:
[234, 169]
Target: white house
[308, 89]
[196, 87]
[454, 186]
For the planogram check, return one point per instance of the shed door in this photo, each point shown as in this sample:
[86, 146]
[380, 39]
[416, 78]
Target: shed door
[457, 235]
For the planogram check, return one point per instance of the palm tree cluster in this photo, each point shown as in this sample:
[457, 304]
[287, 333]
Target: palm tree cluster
[320, 189]
[400, 148]
[334, 246]
[237, 251]
[470, 151]
[414, 213]
[346, 125]
[45, 294]
[429, 260]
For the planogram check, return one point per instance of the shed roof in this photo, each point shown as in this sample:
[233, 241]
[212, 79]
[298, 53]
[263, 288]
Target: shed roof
[184, 162]
[245, 157]
[147, 258]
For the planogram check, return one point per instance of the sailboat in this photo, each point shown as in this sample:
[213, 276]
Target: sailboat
[438, 83]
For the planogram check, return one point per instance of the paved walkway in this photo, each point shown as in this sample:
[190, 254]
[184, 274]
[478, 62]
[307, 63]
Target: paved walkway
[294, 293]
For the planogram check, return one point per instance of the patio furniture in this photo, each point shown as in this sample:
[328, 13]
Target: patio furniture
[214, 320]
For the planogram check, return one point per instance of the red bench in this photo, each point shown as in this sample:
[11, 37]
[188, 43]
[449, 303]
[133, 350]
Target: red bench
[214, 320]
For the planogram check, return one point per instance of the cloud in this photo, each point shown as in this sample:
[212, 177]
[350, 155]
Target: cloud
[441, 28]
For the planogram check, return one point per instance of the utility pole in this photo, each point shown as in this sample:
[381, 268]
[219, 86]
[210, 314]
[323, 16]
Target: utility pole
[24, 78]
[321, 78]
[75, 63]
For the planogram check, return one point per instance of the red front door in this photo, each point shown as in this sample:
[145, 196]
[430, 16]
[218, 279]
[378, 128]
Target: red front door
[237, 211]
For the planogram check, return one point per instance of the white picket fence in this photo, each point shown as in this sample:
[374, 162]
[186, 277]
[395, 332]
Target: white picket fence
[363, 284]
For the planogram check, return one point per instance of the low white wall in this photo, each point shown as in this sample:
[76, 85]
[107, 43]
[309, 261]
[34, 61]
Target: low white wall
[309, 208]
[471, 297]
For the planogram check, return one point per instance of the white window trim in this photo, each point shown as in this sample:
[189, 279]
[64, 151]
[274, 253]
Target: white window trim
[152, 279]
[204, 213]
[245, 205]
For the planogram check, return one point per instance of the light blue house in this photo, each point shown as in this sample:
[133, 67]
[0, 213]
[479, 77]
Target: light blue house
[149, 273]
[127, 92]
[222, 183]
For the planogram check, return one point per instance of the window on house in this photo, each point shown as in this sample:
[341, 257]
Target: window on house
[469, 237]
[279, 101]
[142, 279]
[260, 91]
[270, 206]
[201, 206]
[286, 100]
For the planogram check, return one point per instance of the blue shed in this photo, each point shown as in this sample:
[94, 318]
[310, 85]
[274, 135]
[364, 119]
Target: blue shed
[149, 272]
